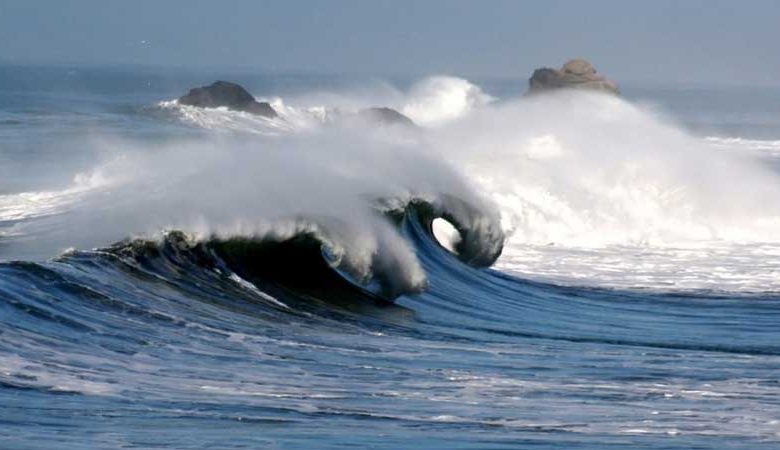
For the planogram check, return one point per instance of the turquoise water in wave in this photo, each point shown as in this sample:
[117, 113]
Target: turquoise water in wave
[165, 349]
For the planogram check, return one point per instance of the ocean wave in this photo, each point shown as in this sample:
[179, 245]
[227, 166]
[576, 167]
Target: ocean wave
[224, 119]
[595, 190]
[565, 175]
[769, 147]
[325, 257]
[559, 270]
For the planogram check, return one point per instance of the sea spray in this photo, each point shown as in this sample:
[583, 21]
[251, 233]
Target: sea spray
[571, 172]
[589, 170]
[247, 185]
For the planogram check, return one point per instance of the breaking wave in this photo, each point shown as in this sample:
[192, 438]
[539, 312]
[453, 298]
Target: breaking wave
[567, 178]
[567, 269]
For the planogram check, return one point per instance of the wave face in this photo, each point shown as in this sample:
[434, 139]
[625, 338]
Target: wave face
[562, 271]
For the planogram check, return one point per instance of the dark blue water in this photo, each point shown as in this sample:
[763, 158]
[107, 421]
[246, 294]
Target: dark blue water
[161, 345]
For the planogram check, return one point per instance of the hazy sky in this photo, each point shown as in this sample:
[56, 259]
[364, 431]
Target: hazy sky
[713, 41]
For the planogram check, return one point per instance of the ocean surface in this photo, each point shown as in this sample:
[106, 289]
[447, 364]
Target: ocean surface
[569, 270]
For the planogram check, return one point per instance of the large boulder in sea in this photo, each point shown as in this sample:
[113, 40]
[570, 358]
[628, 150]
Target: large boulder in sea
[575, 74]
[385, 116]
[229, 95]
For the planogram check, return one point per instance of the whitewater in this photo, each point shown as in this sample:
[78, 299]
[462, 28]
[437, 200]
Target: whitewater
[572, 269]
[589, 188]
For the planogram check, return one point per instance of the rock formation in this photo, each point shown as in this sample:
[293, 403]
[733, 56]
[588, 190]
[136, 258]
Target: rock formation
[575, 74]
[385, 116]
[230, 95]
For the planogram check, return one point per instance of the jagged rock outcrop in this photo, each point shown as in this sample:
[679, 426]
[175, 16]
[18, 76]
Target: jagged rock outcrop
[385, 116]
[575, 74]
[230, 95]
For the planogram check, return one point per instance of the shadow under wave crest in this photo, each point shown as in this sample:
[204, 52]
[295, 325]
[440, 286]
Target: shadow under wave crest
[308, 264]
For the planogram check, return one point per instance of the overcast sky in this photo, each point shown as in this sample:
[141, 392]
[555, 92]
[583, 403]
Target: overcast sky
[713, 41]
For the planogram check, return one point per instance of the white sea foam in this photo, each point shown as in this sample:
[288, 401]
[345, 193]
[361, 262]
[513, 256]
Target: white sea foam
[765, 147]
[57, 377]
[326, 181]
[589, 170]
[591, 188]
[438, 100]
[32, 204]
[250, 286]
[224, 119]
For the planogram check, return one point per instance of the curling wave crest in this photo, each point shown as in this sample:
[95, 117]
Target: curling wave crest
[586, 188]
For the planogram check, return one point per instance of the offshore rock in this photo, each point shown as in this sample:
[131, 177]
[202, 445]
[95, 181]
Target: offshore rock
[229, 95]
[575, 74]
[385, 116]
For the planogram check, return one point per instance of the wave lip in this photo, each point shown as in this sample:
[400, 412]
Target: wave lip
[328, 258]
[481, 238]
